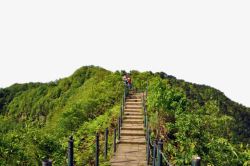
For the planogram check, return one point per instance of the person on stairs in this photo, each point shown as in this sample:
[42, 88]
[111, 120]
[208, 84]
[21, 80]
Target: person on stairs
[129, 82]
[124, 78]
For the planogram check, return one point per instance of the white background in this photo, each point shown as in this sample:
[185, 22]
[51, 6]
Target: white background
[206, 42]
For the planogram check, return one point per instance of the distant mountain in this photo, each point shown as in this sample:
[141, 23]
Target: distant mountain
[36, 119]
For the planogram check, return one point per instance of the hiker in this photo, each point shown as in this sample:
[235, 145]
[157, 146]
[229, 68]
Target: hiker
[124, 78]
[129, 82]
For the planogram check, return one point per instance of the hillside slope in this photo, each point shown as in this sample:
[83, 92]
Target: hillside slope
[36, 119]
[196, 120]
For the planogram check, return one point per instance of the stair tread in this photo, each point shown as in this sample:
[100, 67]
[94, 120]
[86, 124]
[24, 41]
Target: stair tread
[132, 109]
[133, 102]
[133, 116]
[128, 120]
[133, 125]
[134, 105]
[138, 113]
[133, 113]
[133, 139]
[132, 131]
[134, 99]
[132, 128]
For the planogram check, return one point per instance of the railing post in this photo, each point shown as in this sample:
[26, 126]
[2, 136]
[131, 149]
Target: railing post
[148, 146]
[106, 144]
[124, 97]
[145, 118]
[71, 151]
[125, 93]
[123, 105]
[196, 161]
[160, 151]
[47, 163]
[114, 140]
[121, 117]
[154, 153]
[119, 128]
[97, 150]
[143, 100]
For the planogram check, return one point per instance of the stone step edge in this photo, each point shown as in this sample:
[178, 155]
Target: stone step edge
[133, 117]
[132, 120]
[132, 134]
[126, 109]
[132, 142]
[139, 112]
[132, 128]
[133, 113]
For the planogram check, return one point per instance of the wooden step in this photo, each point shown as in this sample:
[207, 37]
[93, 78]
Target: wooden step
[133, 140]
[133, 121]
[132, 110]
[141, 126]
[135, 94]
[133, 107]
[132, 133]
[134, 97]
[132, 128]
[133, 103]
[133, 100]
[133, 113]
[133, 117]
[129, 155]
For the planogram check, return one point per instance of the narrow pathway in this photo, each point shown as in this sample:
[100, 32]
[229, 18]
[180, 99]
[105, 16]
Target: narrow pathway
[131, 149]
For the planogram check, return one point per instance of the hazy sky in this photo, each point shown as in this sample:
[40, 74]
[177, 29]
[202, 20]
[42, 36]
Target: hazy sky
[206, 42]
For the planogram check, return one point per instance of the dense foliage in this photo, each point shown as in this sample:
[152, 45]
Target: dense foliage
[196, 120]
[36, 119]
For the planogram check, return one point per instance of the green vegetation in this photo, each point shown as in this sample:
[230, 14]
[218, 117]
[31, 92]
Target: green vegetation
[196, 120]
[36, 119]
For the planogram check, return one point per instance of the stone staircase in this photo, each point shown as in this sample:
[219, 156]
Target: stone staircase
[131, 149]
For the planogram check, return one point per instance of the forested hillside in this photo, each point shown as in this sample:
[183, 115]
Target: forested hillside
[36, 119]
[196, 120]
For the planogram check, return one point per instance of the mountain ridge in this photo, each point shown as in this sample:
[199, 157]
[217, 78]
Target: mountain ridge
[41, 115]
